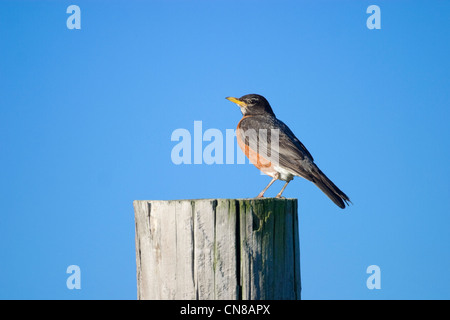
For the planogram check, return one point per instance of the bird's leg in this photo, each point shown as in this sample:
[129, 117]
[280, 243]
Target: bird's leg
[284, 187]
[261, 194]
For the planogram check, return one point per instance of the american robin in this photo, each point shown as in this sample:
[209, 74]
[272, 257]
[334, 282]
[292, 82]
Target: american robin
[272, 147]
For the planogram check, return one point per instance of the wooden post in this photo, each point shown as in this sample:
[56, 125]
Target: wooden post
[235, 249]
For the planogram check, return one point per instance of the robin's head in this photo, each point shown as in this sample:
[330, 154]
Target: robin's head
[252, 104]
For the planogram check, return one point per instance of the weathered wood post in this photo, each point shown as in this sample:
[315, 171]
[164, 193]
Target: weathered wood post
[236, 249]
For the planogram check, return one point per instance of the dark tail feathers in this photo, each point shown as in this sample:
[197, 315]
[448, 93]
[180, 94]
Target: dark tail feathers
[330, 189]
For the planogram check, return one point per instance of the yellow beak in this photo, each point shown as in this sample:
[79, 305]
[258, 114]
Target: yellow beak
[237, 101]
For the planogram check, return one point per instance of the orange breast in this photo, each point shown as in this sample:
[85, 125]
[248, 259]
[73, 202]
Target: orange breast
[256, 159]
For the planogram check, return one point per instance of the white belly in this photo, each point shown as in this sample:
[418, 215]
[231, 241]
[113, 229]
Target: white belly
[285, 175]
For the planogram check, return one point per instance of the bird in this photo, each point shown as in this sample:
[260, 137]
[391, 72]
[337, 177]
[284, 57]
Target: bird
[274, 149]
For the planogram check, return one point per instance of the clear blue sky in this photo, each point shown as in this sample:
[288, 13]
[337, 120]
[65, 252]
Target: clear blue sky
[86, 118]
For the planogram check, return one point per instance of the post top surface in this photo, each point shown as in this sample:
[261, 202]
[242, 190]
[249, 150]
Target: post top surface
[222, 199]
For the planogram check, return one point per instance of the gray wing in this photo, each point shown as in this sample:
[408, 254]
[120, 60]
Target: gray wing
[261, 132]
[289, 153]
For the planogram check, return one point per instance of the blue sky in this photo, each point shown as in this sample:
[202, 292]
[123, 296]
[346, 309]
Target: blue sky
[86, 118]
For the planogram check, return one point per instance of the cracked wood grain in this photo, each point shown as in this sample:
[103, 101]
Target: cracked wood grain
[217, 249]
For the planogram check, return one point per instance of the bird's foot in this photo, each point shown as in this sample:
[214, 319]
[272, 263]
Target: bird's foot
[260, 195]
[278, 196]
